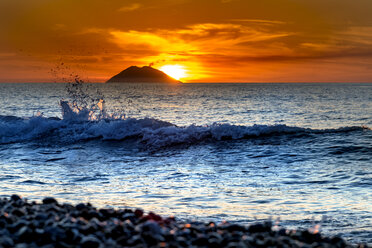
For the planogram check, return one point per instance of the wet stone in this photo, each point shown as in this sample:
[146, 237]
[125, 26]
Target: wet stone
[22, 245]
[235, 227]
[182, 241]
[152, 239]
[151, 226]
[213, 242]
[25, 235]
[90, 242]
[138, 213]
[6, 242]
[135, 240]
[15, 197]
[72, 235]
[236, 245]
[80, 206]
[257, 228]
[123, 240]
[201, 241]
[49, 200]
[130, 217]
[19, 212]
[24, 224]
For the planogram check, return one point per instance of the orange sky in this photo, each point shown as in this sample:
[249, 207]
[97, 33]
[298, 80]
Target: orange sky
[214, 40]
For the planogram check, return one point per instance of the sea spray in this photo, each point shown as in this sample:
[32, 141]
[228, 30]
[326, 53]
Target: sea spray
[85, 117]
[84, 107]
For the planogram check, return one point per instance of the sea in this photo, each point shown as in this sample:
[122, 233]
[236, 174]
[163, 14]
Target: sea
[298, 154]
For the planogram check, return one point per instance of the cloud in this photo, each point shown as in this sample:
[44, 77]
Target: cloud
[206, 38]
[258, 21]
[131, 7]
[357, 34]
[6, 55]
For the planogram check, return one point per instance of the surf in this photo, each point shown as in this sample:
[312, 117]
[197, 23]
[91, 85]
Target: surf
[85, 117]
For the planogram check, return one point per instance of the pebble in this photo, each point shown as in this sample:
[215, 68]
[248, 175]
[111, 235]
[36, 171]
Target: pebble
[49, 200]
[90, 242]
[15, 198]
[50, 224]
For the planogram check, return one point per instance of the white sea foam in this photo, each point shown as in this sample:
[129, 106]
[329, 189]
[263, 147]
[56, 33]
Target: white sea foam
[150, 132]
[85, 118]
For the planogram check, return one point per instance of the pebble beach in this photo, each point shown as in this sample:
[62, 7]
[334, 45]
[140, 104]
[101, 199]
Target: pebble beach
[53, 224]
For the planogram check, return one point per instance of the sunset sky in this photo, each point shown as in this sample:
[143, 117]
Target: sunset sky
[212, 40]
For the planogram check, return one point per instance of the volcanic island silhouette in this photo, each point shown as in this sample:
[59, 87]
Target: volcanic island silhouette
[145, 74]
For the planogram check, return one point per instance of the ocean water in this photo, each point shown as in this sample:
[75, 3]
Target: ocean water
[299, 154]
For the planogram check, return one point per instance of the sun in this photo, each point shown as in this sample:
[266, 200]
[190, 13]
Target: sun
[175, 71]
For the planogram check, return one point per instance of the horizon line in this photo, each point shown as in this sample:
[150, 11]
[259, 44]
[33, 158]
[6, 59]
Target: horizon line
[226, 82]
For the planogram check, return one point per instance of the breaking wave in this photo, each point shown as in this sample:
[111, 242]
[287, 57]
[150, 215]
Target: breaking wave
[150, 132]
[85, 118]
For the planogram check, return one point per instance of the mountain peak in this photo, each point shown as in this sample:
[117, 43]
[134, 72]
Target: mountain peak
[145, 74]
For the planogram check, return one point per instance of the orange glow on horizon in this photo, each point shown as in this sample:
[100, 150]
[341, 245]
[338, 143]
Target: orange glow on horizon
[175, 71]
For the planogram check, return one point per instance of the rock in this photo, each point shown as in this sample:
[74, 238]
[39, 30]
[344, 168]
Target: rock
[81, 206]
[213, 242]
[182, 241]
[22, 245]
[55, 233]
[49, 200]
[151, 226]
[201, 241]
[41, 217]
[151, 239]
[49, 224]
[88, 229]
[107, 213]
[123, 240]
[235, 227]
[135, 240]
[24, 235]
[236, 245]
[73, 236]
[154, 217]
[17, 225]
[90, 242]
[3, 223]
[6, 242]
[19, 212]
[129, 216]
[264, 227]
[138, 213]
[338, 241]
[310, 238]
[15, 197]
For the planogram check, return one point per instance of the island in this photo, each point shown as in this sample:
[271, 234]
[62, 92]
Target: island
[145, 74]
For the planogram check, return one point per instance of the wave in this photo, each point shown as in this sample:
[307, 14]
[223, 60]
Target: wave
[149, 132]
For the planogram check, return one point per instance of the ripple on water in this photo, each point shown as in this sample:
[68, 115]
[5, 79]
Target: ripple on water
[32, 182]
[88, 179]
[8, 177]
[54, 159]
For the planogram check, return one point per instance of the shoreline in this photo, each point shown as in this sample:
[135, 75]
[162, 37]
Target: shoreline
[53, 224]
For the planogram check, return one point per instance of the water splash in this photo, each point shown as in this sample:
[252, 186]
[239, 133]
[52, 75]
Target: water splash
[316, 228]
[84, 107]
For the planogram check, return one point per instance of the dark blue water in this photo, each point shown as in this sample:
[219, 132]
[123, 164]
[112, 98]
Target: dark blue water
[301, 153]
